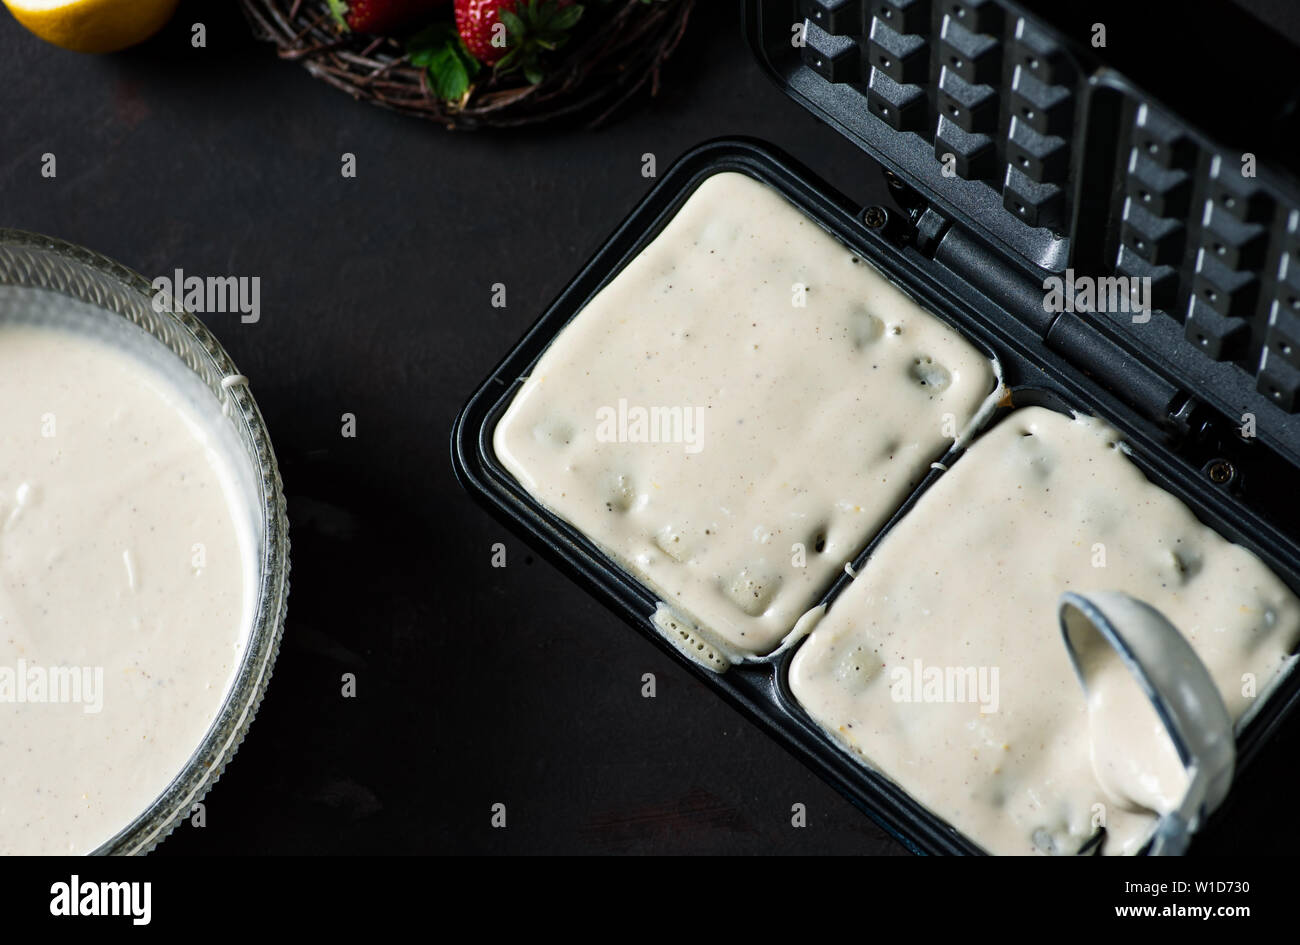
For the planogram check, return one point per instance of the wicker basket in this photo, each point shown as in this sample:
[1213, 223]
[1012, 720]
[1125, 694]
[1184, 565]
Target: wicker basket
[608, 60]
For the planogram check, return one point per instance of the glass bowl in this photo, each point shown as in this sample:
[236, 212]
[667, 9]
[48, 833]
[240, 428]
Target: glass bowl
[28, 260]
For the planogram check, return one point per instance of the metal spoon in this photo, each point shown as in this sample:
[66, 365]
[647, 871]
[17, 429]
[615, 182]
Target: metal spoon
[1178, 686]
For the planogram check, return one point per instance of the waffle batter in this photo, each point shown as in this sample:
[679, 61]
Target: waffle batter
[799, 398]
[969, 580]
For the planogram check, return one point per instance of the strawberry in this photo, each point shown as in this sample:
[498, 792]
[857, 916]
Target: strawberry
[379, 16]
[514, 34]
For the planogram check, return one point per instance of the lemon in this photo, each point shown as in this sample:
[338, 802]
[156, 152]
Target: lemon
[92, 26]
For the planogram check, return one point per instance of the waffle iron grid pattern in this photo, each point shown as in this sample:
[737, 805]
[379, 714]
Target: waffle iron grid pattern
[998, 96]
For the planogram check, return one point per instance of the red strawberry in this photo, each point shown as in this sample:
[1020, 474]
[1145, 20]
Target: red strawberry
[514, 34]
[379, 16]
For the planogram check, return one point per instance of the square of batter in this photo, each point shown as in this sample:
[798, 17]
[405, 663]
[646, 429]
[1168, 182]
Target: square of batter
[966, 586]
[735, 414]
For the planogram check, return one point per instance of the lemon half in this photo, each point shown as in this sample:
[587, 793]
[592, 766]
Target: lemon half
[92, 26]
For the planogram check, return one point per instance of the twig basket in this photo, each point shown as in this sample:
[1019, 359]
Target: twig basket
[615, 53]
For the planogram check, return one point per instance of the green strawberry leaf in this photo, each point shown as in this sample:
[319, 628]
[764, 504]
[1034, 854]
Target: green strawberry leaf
[534, 28]
[513, 24]
[449, 78]
[338, 12]
[566, 19]
[509, 61]
[451, 68]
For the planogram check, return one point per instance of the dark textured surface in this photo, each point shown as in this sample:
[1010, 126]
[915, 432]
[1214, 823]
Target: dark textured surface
[476, 685]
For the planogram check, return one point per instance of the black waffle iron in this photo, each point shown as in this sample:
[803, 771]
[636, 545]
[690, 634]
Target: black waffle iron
[1022, 144]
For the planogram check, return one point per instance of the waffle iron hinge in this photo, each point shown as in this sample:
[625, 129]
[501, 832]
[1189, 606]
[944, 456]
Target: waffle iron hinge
[1077, 337]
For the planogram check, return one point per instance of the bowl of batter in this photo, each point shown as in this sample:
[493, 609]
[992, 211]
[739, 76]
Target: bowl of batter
[144, 555]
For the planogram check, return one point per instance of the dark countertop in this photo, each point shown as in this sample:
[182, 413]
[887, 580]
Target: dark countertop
[476, 685]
